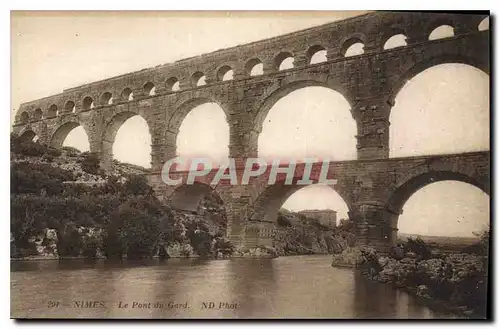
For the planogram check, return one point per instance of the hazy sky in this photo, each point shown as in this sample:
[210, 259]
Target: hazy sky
[442, 110]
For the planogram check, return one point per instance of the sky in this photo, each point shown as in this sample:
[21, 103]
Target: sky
[444, 109]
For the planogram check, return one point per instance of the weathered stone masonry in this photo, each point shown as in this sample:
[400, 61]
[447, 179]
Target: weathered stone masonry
[369, 82]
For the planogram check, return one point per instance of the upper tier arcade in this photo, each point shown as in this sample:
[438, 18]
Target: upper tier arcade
[163, 95]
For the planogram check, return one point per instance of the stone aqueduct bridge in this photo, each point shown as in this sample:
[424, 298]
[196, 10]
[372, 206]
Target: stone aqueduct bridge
[374, 190]
[374, 186]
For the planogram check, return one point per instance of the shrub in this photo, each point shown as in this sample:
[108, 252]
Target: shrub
[134, 229]
[34, 177]
[199, 237]
[30, 148]
[162, 252]
[91, 242]
[137, 185]
[47, 158]
[419, 247]
[112, 244]
[69, 242]
[24, 222]
[397, 252]
[16, 252]
[346, 225]
[485, 243]
[283, 220]
[90, 163]
[71, 151]
[53, 152]
[224, 246]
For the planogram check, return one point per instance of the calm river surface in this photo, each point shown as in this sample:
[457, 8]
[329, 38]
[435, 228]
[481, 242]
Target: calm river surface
[286, 287]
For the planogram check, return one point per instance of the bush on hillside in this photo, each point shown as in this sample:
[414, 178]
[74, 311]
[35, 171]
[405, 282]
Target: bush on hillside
[283, 220]
[71, 151]
[29, 177]
[199, 237]
[90, 163]
[223, 246]
[419, 247]
[137, 185]
[136, 228]
[53, 152]
[69, 241]
[481, 247]
[26, 147]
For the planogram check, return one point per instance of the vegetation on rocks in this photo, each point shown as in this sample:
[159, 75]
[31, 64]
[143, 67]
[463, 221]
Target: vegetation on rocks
[297, 234]
[64, 205]
[456, 281]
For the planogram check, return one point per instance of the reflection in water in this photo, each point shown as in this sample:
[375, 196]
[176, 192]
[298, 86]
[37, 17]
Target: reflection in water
[368, 307]
[286, 287]
[255, 280]
[395, 304]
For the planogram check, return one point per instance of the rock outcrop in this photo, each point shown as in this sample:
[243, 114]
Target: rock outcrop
[297, 234]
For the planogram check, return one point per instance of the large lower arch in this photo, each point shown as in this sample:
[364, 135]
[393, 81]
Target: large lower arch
[318, 197]
[402, 194]
[306, 119]
[61, 133]
[199, 128]
[261, 217]
[271, 199]
[109, 137]
[444, 100]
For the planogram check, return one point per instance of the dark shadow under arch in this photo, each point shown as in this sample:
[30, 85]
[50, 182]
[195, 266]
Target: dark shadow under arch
[203, 200]
[52, 111]
[251, 64]
[188, 197]
[38, 114]
[27, 135]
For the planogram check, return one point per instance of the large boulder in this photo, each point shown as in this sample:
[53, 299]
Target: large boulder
[350, 257]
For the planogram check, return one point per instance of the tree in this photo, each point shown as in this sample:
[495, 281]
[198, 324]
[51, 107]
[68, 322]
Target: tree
[90, 163]
[137, 185]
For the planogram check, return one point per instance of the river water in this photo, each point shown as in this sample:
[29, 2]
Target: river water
[285, 287]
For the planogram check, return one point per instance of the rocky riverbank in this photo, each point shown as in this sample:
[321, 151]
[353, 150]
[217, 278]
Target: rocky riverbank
[453, 282]
[194, 236]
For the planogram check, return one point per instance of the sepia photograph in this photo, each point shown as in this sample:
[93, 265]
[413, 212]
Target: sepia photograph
[250, 165]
